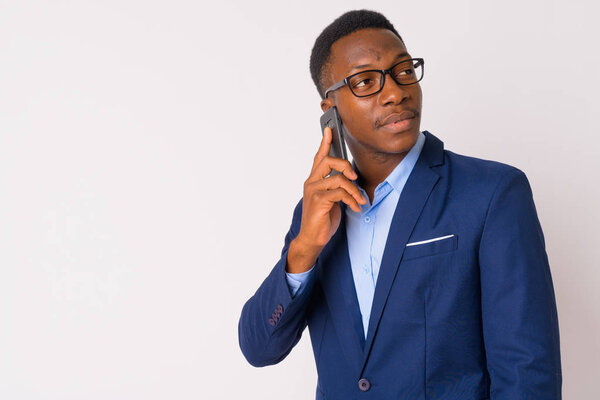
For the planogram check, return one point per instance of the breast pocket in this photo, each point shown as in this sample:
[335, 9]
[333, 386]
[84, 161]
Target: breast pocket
[428, 247]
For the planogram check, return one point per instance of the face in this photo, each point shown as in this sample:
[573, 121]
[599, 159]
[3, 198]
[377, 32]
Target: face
[367, 134]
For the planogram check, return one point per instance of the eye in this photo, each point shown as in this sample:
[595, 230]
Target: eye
[362, 82]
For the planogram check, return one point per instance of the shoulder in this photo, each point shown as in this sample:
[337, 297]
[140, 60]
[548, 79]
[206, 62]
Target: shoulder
[480, 172]
[483, 184]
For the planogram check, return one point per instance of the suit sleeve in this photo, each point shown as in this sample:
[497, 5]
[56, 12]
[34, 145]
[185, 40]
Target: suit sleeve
[272, 321]
[520, 322]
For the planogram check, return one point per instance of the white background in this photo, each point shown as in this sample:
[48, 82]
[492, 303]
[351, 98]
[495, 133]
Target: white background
[151, 155]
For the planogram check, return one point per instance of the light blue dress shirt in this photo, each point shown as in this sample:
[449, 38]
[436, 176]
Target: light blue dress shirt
[367, 233]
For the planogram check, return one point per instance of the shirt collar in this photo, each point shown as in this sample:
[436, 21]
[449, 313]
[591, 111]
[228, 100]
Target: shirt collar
[399, 175]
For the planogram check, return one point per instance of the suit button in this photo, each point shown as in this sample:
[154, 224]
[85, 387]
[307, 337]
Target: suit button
[364, 384]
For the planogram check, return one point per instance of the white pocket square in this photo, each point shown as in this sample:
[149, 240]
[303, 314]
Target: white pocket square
[429, 240]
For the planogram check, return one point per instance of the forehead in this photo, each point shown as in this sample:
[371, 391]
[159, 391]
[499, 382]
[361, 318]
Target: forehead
[373, 47]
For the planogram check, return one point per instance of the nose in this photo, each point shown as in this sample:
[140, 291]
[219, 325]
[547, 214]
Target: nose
[391, 92]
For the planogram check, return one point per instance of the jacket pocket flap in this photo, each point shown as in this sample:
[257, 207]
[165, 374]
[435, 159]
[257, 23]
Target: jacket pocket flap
[430, 246]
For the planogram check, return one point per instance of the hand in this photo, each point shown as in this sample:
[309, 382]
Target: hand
[321, 212]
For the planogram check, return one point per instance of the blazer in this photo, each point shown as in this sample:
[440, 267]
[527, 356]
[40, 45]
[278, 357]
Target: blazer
[464, 306]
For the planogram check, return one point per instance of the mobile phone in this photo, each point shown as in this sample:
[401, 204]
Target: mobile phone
[331, 118]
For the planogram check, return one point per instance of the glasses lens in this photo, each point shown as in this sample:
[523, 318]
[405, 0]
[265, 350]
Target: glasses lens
[369, 82]
[408, 72]
[365, 83]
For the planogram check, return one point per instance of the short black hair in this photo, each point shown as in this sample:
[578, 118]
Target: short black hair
[344, 25]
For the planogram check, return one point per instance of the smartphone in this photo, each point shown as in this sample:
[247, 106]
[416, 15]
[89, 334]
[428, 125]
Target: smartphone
[331, 118]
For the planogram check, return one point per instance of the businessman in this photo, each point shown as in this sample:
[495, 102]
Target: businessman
[420, 273]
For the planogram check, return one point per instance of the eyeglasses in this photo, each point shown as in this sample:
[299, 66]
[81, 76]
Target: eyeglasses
[369, 82]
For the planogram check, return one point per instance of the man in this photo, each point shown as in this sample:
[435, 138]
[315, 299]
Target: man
[420, 273]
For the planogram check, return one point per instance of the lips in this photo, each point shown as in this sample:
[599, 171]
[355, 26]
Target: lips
[397, 117]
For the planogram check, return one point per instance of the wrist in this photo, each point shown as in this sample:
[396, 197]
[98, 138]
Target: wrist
[301, 256]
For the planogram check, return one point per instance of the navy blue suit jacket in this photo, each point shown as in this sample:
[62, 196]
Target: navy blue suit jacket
[469, 317]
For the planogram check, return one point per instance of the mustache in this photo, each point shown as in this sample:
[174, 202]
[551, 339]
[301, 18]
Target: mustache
[385, 119]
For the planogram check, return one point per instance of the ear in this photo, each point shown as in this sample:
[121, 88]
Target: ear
[326, 104]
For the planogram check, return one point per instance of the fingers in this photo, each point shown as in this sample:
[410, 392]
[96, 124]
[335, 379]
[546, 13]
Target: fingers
[339, 194]
[335, 182]
[323, 163]
[323, 168]
[337, 187]
[325, 145]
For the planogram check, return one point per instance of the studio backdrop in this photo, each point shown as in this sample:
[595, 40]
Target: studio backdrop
[152, 153]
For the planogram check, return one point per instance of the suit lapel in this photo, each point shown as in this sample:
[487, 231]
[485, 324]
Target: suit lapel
[410, 204]
[340, 293]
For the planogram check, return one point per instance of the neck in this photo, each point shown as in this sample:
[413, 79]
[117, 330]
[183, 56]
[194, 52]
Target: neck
[373, 168]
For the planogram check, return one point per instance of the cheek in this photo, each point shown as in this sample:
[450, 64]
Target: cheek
[356, 118]
[418, 94]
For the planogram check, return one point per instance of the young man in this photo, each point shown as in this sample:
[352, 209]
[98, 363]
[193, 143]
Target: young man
[420, 273]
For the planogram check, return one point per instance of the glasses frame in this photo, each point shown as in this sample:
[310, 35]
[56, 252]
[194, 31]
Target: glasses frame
[346, 80]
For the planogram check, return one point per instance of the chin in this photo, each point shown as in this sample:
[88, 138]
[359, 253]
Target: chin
[404, 141]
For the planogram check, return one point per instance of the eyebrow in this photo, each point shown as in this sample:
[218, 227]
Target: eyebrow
[353, 67]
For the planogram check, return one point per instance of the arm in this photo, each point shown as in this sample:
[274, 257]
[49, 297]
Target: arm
[266, 335]
[272, 321]
[520, 322]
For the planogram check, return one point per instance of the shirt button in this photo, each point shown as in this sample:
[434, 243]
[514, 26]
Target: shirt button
[367, 219]
[364, 384]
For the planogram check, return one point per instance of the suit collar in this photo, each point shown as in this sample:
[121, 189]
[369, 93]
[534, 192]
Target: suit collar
[433, 150]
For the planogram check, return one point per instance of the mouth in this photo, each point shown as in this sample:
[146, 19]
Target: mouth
[398, 122]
